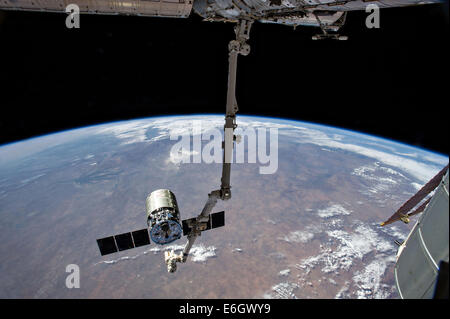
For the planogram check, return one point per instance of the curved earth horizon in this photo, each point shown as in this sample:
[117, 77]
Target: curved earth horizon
[309, 230]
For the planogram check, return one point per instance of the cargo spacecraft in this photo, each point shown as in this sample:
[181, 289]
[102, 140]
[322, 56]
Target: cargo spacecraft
[164, 227]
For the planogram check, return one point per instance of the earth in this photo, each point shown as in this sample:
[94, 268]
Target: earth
[309, 230]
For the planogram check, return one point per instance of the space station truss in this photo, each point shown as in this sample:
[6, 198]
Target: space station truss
[148, 8]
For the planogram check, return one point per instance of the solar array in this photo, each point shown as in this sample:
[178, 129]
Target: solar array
[113, 244]
[215, 220]
[138, 238]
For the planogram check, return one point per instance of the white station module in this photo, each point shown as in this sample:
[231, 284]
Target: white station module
[420, 257]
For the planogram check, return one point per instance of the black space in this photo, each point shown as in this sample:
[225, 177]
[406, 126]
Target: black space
[391, 82]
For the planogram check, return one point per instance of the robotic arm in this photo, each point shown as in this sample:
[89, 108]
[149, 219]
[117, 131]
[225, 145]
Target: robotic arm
[235, 47]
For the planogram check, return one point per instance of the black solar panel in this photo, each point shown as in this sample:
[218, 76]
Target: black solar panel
[141, 237]
[217, 219]
[208, 225]
[107, 245]
[186, 229]
[124, 241]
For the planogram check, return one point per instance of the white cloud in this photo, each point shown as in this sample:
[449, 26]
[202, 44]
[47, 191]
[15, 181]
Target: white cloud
[31, 179]
[417, 186]
[380, 180]
[332, 211]
[440, 160]
[284, 272]
[347, 248]
[350, 247]
[420, 170]
[201, 253]
[198, 253]
[298, 237]
[135, 131]
[181, 156]
[343, 292]
[284, 290]
[369, 280]
[130, 132]
[315, 134]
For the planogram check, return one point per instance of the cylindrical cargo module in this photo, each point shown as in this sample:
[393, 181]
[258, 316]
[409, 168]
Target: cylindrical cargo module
[163, 216]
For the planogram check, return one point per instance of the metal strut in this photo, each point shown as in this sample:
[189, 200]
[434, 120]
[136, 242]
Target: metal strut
[235, 47]
[325, 29]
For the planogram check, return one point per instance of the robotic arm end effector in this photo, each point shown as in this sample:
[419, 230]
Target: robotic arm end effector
[171, 260]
